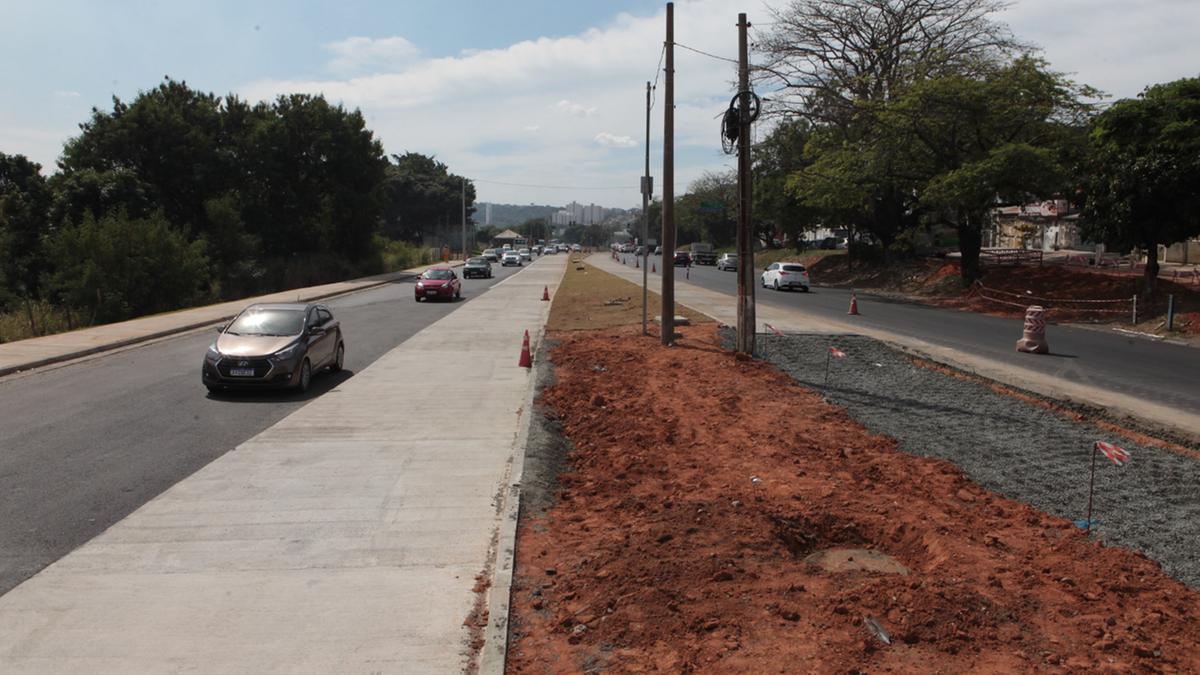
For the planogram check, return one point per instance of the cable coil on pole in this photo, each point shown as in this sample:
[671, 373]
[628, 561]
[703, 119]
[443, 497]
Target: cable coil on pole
[731, 120]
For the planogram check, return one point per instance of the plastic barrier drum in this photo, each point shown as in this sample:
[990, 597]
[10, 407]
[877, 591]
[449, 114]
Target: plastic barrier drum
[1033, 340]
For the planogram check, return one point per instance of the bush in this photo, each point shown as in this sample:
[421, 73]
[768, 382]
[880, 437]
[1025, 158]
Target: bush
[401, 255]
[116, 267]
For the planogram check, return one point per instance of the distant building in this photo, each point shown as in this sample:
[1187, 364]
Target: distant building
[1051, 225]
[578, 214]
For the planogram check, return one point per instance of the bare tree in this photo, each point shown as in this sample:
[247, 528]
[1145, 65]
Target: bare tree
[829, 57]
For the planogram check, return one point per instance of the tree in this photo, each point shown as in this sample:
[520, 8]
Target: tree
[1143, 184]
[25, 202]
[707, 212]
[973, 143]
[840, 63]
[776, 208]
[120, 267]
[828, 57]
[422, 197]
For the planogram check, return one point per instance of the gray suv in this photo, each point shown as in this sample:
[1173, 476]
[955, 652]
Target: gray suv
[274, 345]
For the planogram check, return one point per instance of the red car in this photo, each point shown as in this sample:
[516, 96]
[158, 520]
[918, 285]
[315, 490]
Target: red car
[438, 282]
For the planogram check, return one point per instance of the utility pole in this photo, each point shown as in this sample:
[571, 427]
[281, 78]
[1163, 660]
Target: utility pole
[647, 190]
[745, 244]
[668, 187]
[464, 218]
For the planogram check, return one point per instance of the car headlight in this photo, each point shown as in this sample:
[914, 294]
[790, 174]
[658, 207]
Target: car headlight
[287, 352]
[212, 355]
[420, 284]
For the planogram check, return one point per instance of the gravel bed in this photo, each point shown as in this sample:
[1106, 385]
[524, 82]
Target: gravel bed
[1014, 448]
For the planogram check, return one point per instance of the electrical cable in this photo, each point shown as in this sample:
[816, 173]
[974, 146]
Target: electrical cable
[548, 187]
[704, 53]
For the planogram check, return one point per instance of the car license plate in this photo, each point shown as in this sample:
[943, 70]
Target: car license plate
[241, 372]
[431, 292]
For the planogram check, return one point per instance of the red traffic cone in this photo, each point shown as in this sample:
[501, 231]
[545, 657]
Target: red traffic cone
[526, 360]
[545, 293]
[853, 305]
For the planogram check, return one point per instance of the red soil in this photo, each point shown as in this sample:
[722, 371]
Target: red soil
[699, 485]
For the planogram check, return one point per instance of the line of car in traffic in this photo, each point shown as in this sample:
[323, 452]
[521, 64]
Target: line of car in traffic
[282, 345]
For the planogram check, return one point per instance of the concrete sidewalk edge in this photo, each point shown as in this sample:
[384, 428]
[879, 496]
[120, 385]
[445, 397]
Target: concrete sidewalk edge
[176, 330]
[494, 653]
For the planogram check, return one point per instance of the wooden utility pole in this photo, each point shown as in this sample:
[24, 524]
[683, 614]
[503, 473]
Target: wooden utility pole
[647, 190]
[464, 218]
[745, 237]
[668, 186]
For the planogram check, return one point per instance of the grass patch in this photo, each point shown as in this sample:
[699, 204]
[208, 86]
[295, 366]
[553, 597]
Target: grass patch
[591, 298]
[808, 257]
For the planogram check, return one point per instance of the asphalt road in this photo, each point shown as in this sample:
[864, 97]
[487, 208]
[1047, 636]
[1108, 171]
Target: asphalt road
[1165, 373]
[85, 444]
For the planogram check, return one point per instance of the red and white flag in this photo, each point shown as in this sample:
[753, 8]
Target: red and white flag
[773, 329]
[1116, 455]
[837, 353]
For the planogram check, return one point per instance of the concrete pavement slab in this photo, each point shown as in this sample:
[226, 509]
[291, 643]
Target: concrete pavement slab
[723, 308]
[346, 538]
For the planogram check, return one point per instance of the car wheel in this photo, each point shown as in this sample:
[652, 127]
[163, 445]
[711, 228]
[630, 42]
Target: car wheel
[804, 288]
[305, 377]
[776, 284]
[339, 359]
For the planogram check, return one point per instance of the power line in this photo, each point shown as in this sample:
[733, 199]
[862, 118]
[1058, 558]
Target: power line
[711, 56]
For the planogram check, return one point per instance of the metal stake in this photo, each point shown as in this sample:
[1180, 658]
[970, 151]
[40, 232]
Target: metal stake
[1091, 488]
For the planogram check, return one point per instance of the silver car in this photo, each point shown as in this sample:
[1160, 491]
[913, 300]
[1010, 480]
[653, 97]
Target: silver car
[727, 261]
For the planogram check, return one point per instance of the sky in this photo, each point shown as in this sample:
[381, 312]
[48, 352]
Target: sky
[537, 101]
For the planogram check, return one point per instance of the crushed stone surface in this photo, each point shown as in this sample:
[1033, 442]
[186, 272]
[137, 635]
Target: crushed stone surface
[1029, 453]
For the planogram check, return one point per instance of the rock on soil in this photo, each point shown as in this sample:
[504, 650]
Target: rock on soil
[673, 559]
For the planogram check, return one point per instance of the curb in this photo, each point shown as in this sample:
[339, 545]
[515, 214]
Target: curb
[59, 358]
[494, 653]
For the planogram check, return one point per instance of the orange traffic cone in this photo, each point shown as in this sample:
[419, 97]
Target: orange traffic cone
[853, 305]
[545, 293]
[526, 360]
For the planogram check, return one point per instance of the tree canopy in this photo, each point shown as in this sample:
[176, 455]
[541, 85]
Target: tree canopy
[1142, 182]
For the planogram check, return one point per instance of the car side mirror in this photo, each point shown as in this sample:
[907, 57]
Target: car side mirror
[222, 327]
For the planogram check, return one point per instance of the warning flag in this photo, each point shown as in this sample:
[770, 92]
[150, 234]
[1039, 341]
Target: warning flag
[1116, 455]
[837, 353]
[773, 329]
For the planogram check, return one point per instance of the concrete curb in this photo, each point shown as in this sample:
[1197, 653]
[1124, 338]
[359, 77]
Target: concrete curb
[176, 330]
[494, 653]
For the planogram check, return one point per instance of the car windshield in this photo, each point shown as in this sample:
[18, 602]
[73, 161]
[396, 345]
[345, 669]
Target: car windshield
[793, 268]
[263, 321]
[437, 274]
[730, 256]
[476, 261]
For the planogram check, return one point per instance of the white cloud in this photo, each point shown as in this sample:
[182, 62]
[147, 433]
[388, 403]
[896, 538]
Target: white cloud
[67, 94]
[367, 55]
[531, 127]
[575, 109]
[613, 141]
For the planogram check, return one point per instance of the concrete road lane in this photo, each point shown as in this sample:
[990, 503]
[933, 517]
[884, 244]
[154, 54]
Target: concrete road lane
[84, 444]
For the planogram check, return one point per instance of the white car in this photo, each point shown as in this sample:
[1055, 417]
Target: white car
[525, 254]
[783, 275]
[510, 258]
[576, 247]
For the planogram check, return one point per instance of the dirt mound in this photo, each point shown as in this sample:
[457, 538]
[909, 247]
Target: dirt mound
[700, 488]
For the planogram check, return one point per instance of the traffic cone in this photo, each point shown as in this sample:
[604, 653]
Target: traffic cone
[653, 268]
[545, 293]
[637, 263]
[526, 360]
[853, 305]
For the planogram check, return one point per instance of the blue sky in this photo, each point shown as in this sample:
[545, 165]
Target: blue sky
[535, 92]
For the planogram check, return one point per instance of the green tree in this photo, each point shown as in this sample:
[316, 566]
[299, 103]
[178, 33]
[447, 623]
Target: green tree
[973, 143]
[707, 212]
[1143, 185]
[25, 202]
[119, 267]
[778, 209]
[422, 198]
